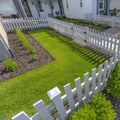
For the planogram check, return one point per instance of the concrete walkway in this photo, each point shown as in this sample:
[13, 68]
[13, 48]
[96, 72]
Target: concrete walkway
[113, 31]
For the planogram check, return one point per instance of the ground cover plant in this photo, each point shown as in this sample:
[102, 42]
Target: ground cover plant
[70, 61]
[98, 109]
[85, 23]
[114, 83]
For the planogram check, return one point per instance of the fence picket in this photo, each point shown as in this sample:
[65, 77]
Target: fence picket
[86, 79]
[42, 110]
[21, 116]
[100, 77]
[79, 90]
[93, 81]
[69, 95]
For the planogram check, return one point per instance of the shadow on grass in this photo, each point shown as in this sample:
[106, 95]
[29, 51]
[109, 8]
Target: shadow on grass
[83, 52]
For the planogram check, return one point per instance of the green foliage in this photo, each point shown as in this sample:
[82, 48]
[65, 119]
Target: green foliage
[104, 25]
[10, 65]
[98, 109]
[34, 57]
[103, 108]
[96, 24]
[114, 82]
[24, 40]
[85, 113]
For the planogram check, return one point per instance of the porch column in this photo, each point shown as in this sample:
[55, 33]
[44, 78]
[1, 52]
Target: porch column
[94, 2]
[108, 9]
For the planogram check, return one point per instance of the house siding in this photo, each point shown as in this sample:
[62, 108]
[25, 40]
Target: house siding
[75, 11]
[115, 4]
[8, 12]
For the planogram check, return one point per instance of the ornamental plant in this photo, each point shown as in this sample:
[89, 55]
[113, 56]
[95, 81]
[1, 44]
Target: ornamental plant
[98, 109]
[114, 82]
[10, 65]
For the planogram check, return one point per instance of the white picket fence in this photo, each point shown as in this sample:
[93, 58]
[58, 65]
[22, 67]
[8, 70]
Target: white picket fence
[113, 21]
[83, 92]
[99, 41]
[24, 23]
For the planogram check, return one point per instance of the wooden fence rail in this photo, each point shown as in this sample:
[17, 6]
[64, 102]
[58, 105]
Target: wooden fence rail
[83, 92]
[24, 24]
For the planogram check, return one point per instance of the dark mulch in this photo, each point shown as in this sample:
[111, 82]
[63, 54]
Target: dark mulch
[23, 58]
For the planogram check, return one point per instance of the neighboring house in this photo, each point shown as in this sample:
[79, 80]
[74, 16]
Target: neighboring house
[31, 8]
[79, 8]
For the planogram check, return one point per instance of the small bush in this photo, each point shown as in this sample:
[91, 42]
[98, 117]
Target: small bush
[34, 57]
[104, 26]
[114, 83]
[10, 65]
[98, 109]
[23, 40]
[85, 113]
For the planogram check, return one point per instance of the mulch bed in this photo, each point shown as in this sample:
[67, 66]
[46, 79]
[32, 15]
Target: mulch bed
[23, 58]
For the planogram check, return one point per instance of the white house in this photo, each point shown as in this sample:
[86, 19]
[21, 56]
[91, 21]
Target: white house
[31, 8]
[78, 8]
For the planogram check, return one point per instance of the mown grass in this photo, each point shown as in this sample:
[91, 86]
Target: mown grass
[70, 61]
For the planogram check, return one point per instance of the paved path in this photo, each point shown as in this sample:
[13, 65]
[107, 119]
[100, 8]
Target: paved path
[113, 30]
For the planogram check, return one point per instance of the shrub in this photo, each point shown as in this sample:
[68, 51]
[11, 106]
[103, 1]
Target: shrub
[103, 108]
[10, 65]
[114, 82]
[34, 57]
[98, 109]
[104, 25]
[85, 113]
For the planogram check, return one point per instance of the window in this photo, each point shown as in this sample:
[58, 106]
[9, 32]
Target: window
[39, 7]
[81, 4]
[67, 4]
[101, 5]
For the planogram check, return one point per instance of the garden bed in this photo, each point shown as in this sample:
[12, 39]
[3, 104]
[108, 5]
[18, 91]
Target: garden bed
[85, 23]
[23, 57]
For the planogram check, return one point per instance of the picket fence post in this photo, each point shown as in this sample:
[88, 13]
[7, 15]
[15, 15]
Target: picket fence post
[54, 95]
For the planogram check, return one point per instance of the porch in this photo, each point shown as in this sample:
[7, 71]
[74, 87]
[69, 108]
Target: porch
[106, 7]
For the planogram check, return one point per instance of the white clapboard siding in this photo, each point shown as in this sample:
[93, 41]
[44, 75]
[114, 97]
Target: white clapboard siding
[83, 92]
[24, 23]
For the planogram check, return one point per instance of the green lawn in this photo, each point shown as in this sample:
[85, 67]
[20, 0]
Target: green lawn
[70, 61]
